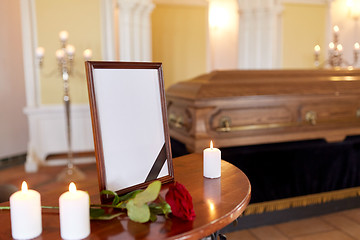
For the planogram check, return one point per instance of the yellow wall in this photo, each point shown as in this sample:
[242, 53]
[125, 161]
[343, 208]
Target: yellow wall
[303, 27]
[179, 36]
[179, 40]
[81, 18]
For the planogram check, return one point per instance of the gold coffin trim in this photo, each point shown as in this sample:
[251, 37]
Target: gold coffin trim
[310, 119]
[254, 127]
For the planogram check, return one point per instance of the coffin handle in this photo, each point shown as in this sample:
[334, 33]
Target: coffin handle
[177, 122]
[225, 123]
[358, 113]
[311, 117]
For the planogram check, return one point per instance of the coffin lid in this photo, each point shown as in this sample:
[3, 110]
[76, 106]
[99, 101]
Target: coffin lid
[234, 83]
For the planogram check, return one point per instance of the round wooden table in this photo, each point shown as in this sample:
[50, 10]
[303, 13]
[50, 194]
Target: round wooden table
[217, 203]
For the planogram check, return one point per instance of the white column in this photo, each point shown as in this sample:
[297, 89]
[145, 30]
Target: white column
[258, 48]
[259, 34]
[107, 22]
[31, 71]
[223, 34]
[330, 22]
[146, 36]
[28, 22]
[136, 44]
[244, 51]
[133, 29]
[126, 8]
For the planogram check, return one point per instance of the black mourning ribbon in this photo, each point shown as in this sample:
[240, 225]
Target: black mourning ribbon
[157, 166]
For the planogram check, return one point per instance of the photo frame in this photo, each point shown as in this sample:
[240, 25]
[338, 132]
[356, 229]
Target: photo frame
[129, 120]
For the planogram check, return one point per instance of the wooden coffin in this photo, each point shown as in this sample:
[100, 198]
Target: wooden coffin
[246, 107]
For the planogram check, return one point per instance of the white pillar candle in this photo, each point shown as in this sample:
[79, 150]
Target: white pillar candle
[25, 213]
[212, 162]
[74, 214]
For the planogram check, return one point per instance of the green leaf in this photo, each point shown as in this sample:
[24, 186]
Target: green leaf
[166, 209]
[153, 217]
[119, 199]
[149, 194]
[160, 208]
[96, 212]
[116, 197]
[121, 205]
[129, 195]
[107, 216]
[108, 192]
[138, 213]
[99, 214]
[155, 208]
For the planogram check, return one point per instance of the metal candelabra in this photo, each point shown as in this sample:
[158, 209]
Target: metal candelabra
[65, 58]
[336, 59]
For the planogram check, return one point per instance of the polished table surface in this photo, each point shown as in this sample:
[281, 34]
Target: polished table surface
[217, 202]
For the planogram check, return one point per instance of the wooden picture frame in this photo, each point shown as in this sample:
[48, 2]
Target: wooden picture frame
[131, 135]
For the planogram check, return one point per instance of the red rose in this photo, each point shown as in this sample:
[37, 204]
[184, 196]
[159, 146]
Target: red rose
[180, 202]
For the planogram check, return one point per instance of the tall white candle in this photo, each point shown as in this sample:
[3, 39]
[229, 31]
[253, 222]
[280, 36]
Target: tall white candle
[40, 52]
[356, 47]
[212, 162]
[25, 213]
[336, 33]
[317, 49]
[87, 54]
[63, 35]
[339, 47]
[70, 50]
[74, 214]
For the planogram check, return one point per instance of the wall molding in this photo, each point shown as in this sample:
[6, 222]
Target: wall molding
[48, 132]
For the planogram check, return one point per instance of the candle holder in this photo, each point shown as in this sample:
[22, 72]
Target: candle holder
[65, 58]
[335, 54]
